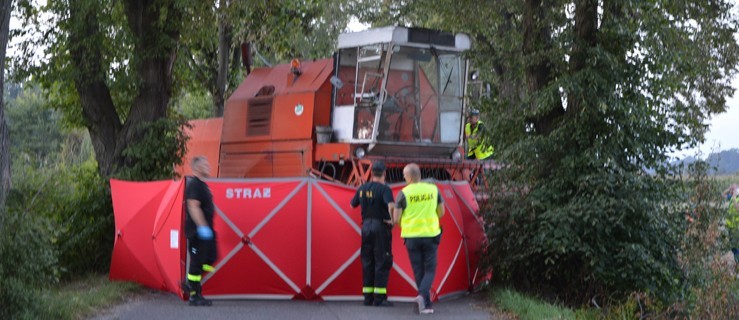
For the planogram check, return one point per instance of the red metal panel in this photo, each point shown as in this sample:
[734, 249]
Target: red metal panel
[205, 136]
[292, 117]
[332, 151]
[315, 73]
[322, 109]
[314, 79]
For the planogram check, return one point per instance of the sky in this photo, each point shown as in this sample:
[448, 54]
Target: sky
[724, 128]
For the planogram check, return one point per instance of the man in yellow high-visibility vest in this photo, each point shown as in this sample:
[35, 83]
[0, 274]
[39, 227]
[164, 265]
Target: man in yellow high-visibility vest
[419, 206]
[477, 145]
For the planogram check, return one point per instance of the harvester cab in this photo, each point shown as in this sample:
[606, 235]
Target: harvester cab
[400, 93]
[392, 93]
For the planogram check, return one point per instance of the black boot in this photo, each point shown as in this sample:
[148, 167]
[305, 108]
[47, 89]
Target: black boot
[368, 299]
[196, 298]
[186, 290]
[381, 301]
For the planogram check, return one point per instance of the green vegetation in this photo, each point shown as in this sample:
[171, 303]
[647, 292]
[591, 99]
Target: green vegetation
[28, 264]
[83, 297]
[588, 99]
[527, 308]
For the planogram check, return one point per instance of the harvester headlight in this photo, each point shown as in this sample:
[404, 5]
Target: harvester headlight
[474, 75]
[360, 153]
[456, 155]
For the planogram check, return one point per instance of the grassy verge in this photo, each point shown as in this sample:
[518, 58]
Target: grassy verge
[84, 297]
[526, 308]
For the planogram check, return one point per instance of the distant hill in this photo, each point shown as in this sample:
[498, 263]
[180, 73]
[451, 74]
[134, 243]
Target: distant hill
[723, 162]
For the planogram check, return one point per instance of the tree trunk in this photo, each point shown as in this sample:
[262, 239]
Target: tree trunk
[586, 21]
[224, 51]
[153, 60]
[98, 109]
[536, 40]
[154, 66]
[5, 182]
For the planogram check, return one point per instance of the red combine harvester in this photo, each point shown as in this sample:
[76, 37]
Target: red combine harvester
[294, 142]
[393, 93]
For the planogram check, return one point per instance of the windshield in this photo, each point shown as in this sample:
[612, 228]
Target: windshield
[423, 101]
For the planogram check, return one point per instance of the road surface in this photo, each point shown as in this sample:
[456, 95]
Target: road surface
[163, 306]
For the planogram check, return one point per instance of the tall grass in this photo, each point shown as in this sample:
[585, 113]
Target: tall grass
[84, 297]
[527, 308]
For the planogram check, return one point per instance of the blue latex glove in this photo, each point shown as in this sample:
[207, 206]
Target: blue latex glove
[204, 233]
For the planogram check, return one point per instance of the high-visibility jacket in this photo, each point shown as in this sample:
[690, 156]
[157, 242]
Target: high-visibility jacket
[477, 146]
[732, 219]
[419, 219]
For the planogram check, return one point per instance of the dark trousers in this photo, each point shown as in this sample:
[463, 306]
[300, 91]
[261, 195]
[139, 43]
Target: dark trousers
[376, 253]
[202, 252]
[422, 253]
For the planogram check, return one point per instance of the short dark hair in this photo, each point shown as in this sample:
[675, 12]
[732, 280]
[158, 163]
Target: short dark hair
[197, 160]
[378, 168]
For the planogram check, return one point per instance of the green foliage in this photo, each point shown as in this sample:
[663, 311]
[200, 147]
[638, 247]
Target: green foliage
[28, 263]
[280, 30]
[609, 235]
[194, 105]
[710, 290]
[526, 308]
[85, 219]
[76, 201]
[57, 75]
[586, 96]
[156, 155]
[83, 297]
[35, 130]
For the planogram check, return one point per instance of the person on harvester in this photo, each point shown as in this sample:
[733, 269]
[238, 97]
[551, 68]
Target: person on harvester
[201, 240]
[477, 145]
[376, 200]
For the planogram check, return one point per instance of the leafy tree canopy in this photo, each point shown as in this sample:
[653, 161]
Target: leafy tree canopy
[586, 95]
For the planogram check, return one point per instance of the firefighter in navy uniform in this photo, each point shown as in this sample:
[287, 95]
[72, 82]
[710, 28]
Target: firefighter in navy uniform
[376, 200]
[201, 240]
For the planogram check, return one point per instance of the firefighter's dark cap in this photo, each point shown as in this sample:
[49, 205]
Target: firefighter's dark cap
[378, 166]
[474, 112]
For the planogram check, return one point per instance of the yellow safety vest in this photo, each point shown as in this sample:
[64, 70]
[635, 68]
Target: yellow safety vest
[732, 220]
[419, 219]
[478, 148]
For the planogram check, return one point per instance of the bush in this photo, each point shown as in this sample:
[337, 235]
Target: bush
[668, 258]
[609, 234]
[28, 263]
[710, 288]
[85, 218]
[155, 156]
[76, 201]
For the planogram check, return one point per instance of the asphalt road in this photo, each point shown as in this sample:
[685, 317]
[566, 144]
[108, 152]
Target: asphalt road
[162, 306]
